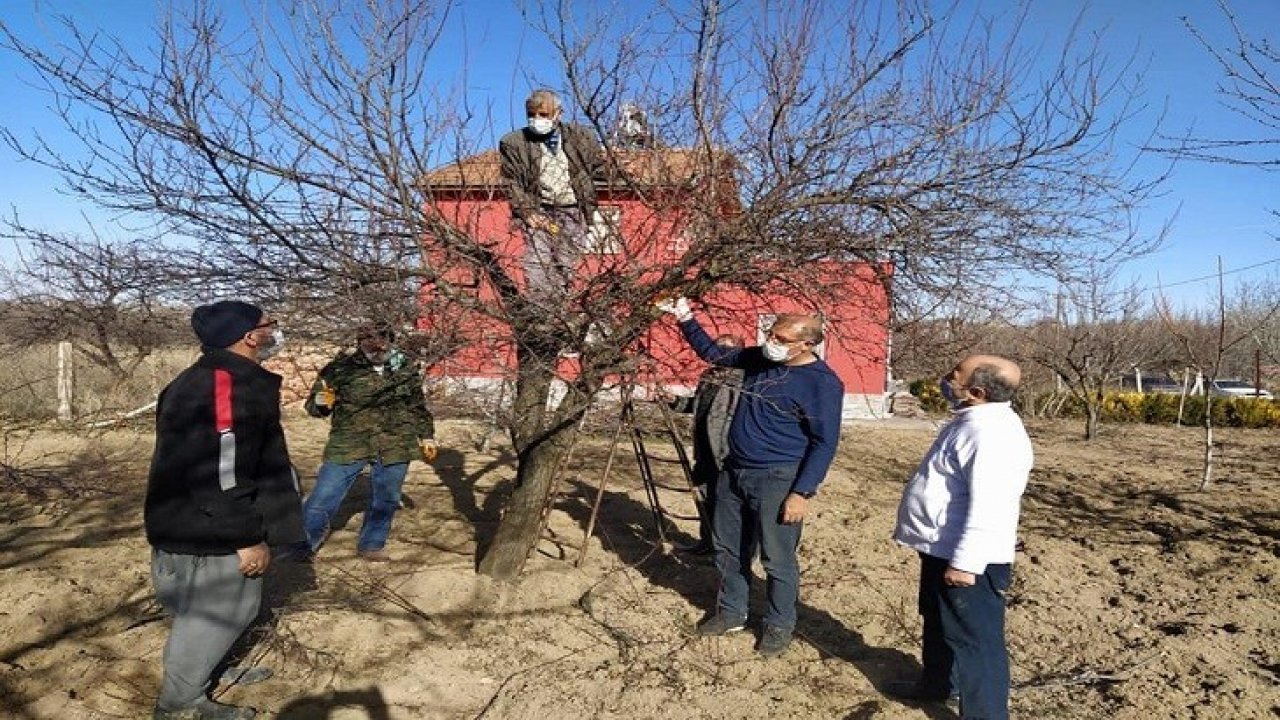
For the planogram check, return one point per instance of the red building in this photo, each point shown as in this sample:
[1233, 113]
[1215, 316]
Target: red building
[640, 222]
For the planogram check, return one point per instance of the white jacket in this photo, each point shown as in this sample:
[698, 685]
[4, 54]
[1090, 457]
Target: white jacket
[962, 503]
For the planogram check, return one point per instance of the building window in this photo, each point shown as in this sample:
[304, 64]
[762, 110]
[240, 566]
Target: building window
[604, 236]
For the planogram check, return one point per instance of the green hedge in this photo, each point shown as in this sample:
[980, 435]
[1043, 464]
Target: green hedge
[1162, 408]
[929, 393]
[1135, 407]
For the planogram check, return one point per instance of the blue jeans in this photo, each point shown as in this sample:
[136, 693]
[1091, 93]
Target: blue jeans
[747, 513]
[332, 484]
[963, 646]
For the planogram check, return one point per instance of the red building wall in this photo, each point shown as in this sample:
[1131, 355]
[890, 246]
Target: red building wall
[857, 338]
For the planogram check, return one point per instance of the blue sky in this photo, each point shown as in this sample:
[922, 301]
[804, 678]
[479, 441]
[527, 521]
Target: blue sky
[1220, 210]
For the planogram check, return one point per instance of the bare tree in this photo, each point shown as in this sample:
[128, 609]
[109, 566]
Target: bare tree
[1249, 87]
[1095, 333]
[288, 153]
[107, 299]
[1252, 307]
[1208, 358]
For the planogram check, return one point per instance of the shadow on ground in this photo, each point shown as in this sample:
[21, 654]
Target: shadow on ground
[626, 528]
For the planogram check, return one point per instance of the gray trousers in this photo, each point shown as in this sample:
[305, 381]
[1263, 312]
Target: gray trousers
[550, 258]
[212, 603]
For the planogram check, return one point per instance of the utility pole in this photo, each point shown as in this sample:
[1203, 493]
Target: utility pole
[1257, 367]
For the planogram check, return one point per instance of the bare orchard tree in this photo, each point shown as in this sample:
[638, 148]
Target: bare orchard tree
[938, 145]
[1095, 333]
[1252, 306]
[939, 149]
[1249, 87]
[108, 299]
[927, 345]
[1208, 358]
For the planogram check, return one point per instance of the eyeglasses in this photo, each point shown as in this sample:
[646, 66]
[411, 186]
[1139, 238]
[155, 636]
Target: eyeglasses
[268, 324]
[785, 341]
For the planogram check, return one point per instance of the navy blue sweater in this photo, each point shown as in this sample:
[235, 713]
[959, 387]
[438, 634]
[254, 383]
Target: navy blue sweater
[786, 414]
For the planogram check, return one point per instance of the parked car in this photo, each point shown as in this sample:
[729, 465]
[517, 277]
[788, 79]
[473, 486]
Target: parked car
[1161, 385]
[1238, 388]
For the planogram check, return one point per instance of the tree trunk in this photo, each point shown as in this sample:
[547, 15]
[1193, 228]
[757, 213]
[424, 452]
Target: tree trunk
[1207, 475]
[66, 383]
[542, 438]
[1092, 409]
[521, 523]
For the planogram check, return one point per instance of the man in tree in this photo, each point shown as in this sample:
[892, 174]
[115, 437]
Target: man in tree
[782, 440]
[549, 166]
[220, 493]
[712, 405]
[380, 419]
[960, 512]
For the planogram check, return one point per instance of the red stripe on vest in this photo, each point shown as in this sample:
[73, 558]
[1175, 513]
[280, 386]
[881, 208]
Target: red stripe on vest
[222, 400]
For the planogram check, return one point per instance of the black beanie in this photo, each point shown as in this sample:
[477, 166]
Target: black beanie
[223, 323]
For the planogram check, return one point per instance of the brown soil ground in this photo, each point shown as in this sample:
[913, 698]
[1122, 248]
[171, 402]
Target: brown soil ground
[1136, 596]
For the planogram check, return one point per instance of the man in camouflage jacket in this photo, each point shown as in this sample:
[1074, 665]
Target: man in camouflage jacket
[380, 420]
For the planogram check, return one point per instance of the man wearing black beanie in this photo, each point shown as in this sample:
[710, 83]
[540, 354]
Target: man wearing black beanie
[221, 493]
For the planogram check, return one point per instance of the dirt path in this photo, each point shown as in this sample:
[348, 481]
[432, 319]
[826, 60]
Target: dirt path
[1135, 596]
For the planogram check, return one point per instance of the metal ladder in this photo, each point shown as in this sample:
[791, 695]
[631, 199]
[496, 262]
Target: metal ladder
[661, 516]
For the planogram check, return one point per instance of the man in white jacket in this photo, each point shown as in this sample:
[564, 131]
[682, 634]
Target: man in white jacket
[960, 512]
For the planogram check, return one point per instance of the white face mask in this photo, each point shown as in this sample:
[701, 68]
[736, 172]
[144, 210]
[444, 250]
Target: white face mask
[775, 352]
[269, 350]
[541, 126]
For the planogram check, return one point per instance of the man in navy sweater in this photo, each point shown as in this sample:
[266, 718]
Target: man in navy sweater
[782, 440]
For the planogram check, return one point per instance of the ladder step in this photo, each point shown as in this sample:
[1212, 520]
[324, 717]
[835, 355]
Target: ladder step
[660, 433]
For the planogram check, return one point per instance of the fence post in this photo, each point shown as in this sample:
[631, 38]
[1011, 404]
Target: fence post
[66, 382]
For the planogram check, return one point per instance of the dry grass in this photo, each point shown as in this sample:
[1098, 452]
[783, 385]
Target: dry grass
[29, 384]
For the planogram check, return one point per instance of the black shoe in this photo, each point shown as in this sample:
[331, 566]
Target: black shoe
[720, 624]
[919, 693]
[773, 641]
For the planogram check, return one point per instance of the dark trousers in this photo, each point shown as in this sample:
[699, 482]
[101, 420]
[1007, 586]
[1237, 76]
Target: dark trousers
[963, 646]
[705, 479]
[747, 520]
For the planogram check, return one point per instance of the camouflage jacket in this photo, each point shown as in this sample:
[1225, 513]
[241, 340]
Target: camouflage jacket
[375, 414]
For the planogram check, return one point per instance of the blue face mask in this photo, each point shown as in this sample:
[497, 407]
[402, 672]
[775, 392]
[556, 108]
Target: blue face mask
[949, 393]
